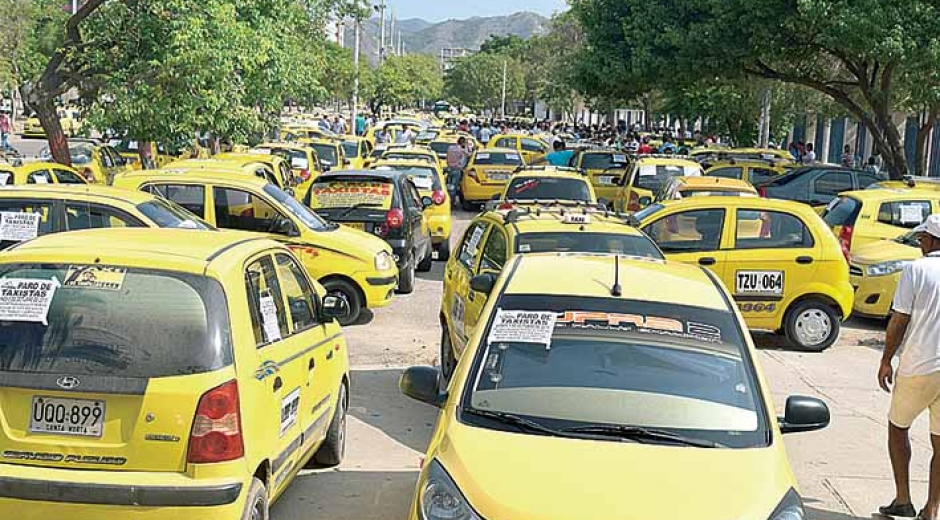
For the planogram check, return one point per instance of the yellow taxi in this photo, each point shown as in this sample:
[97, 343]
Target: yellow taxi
[874, 271]
[605, 168]
[352, 265]
[280, 166]
[531, 148]
[297, 132]
[303, 161]
[330, 153]
[98, 163]
[235, 167]
[357, 150]
[865, 216]
[711, 156]
[927, 183]
[487, 173]
[783, 266]
[410, 153]
[549, 183]
[430, 181]
[496, 236]
[754, 172]
[105, 416]
[39, 173]
[440, 145]
[599, 394]
[69, 119]
[684, 187]
[648, 176]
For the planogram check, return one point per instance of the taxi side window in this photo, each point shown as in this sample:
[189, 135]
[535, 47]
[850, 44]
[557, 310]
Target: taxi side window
[67, 177]
[770, 229]
[732, 172]
[237, 209]
[265, 304]
[904, 213]
[87, 216]
[688, 231]
[44, 210]
[471, 245]
[832, 183]
[300, 295]
[506, 142]
[193, 198]
[39, 177]
[105, 158]
[531, 145]
[494, 252]
[761, 175]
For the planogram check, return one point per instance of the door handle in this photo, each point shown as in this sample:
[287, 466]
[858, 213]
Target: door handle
[278, 383]
[707, 261]
[804, 260]
[311, 365]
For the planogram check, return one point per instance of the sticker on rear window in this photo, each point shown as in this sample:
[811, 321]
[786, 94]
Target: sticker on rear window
[23, 299]
[40, 179]
[17, 227]
[483, 156]
[759, 282]
[345, 194]
[620, 158]
[912, 214]
[95, 277]
[523, 327]
[272, 332]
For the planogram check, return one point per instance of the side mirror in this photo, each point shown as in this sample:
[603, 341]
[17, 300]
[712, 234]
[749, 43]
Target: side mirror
[483, 283]
[286, 227]
[426, 201]
[803, 414]
[645, 201]
[333, 308]
[423, 384]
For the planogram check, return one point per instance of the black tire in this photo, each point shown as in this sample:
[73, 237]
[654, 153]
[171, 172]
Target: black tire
[448, 360]
[812, 325]
[333, 449]
[348, 292]
[406, 279]
[468, 206]
[257, 506]
[427, 262]
[443, 250]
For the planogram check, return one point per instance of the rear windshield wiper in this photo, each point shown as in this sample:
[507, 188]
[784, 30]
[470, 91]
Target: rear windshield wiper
[640, 434]
[357, 206]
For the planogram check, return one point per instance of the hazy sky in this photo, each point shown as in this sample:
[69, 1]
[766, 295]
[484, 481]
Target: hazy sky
[437, 10]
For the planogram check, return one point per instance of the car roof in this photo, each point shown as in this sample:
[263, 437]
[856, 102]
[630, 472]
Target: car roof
[714, 182]
[232, 177]
[660, 160]
[90, 192]
[527, 219]
[550, 171]
[417, 163]
[892, 194]
[592, 275]
[728, 202]
[496, 150]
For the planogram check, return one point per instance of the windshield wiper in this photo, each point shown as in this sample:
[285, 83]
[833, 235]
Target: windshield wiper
[640, 434]
[521, 423]
[357, 206]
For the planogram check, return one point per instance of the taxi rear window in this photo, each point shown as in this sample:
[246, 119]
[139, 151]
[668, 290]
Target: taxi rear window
[548, 188]
[497, 158]
[111, 321]
[440, 148]
[653, 177]
[425, 179]
[603, 161]
[326, 153]
[587, 242]
[346, 193]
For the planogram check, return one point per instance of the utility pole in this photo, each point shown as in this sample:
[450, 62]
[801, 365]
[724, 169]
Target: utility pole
[400, 48]
[764, 132]
[355, 97]
[391, 36]
[381, 10]
[502, 110]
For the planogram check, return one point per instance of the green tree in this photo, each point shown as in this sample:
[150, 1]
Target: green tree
[477, 81]
[404, 81]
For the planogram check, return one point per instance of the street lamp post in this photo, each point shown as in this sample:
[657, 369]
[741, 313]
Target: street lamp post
[355, 96]
[380, 8]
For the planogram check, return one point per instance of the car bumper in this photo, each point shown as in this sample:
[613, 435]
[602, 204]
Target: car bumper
[473, 191]
[874, 294]
[377, 286]
[440, 228]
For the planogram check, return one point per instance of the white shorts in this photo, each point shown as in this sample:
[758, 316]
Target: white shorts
[911, 396]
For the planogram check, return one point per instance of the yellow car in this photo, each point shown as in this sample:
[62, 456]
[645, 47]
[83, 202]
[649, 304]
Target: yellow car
[330, 153]
[684, 187]
[280, 166]
[39, 173]
[164, 377]
[357, 150]
[69, 119]
[430, 181]
[352, 265]
[865, 216]
[247, 167]
[782, 264]
[926, 183]
[531, 148]
[304, 162]
[647, 177]
[440, 145]
[711, 156]
[496, 236]
[600, 394]
[874, 270]
[606, 168]
[98, 163]
[754, 172]
[487, 173]
[532, 184]
[295, 133]
[410, 153]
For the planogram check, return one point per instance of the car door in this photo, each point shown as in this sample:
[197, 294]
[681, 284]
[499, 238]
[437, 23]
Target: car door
[84, 215]
[531, 149]
[281, 367]
[492, 259]
[694, 236]
[414, 212]
[771, 260]
[244, 210]
[25, 219]
[457, 276]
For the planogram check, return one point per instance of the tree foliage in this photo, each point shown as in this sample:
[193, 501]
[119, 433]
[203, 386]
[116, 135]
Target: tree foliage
[476, 81]
[403, 81]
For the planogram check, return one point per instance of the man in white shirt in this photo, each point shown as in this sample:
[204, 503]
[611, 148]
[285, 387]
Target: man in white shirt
[914, 330]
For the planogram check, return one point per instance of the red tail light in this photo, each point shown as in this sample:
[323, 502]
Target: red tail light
[762, 191]
[845, 240]
[394, 219]
[305, 174]
[217, 428]
[634, 204]
[438, 197]
[505, 206]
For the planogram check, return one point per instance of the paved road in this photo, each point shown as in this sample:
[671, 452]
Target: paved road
[843, 471]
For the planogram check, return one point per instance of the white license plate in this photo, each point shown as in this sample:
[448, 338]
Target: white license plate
[498, 176]
[759, 282]
[81, 417]
[606, 179]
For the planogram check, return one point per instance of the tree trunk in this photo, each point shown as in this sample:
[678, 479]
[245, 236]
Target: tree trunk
[145, 150]
[923, 135]
[44, 106]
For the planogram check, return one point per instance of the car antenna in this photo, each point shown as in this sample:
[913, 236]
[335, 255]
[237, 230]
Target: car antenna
[616, 290]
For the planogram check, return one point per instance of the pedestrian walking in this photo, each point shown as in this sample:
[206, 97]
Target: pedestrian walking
[6, 128]
[456, 161]
[360, 124]
[913, 332]
[848, 158]
[486, 133]
[809, 157]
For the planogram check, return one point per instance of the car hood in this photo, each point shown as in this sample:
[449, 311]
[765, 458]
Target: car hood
[884, 251]
[350, 241]
[509, 475]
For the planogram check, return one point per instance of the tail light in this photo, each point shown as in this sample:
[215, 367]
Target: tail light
[394, 219]
[762, 191]
[845, 240]
[505, 206]
[217, 428]
[438, 197]
[305, 174]
[634, 204]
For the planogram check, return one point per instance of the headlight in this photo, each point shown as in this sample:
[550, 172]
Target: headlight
[439, 498]
[790, 508]
[383, 261]
[886, 268]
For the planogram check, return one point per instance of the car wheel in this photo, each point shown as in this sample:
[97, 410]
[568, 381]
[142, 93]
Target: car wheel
[812, 325]
[425, 264]
[345, 291]
[333, 449]
[448, 360]
[406, 279]
[256, 507]
[468, 206]
[443, 250]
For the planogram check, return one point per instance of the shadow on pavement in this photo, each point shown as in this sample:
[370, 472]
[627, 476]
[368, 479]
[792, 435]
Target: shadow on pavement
[347, 495]
[378, 402]
[813, 513]
[436, 274]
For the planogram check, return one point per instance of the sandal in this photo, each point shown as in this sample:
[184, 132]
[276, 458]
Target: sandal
[903, 510]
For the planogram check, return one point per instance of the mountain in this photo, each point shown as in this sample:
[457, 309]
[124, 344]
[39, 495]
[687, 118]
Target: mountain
[421, 36]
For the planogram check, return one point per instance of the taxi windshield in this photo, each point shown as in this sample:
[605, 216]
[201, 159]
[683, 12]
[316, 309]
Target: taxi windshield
[351, 148]
[587, 242]
[574, 362]
[603, 161]
[548, 188]
[112, 321]
[303, 213]
[497, 158]
[326, 153]
[425, 179]
[296, 158]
